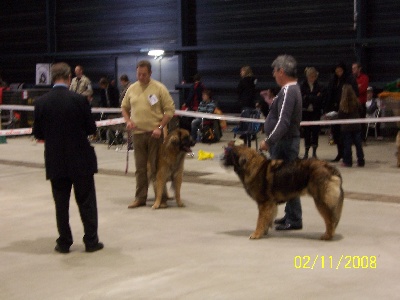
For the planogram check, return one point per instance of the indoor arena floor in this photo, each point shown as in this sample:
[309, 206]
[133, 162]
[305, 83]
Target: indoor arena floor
[201, 251]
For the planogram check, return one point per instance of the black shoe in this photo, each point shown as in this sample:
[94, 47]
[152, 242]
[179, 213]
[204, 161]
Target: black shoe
[280, 221]
[59, 249]
[337, 158]
[288, 227]
[95, 248]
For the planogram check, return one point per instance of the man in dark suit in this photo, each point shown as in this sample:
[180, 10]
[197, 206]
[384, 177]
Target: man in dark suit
[63, 120]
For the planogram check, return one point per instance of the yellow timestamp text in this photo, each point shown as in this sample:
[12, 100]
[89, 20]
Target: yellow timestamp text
[331, 262]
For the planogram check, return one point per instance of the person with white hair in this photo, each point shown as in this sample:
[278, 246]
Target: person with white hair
[282, 128]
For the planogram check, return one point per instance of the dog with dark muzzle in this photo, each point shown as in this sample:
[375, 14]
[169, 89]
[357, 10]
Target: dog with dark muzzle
[170, 165]
[272, 182]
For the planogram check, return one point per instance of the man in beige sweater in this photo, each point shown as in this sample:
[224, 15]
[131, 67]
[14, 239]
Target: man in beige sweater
[147, 108]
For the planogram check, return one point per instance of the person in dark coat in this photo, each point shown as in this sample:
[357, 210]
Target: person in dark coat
[351, 108]
[246, 88]
[63, 120]
[109, 94]
[340, 77]
[313, 100]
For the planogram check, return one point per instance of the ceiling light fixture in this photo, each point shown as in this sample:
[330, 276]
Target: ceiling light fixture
[156, 53]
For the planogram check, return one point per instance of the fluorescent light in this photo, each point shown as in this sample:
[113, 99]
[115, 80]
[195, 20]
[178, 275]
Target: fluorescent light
[156, 53]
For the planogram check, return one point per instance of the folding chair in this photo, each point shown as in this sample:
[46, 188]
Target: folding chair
[9, 120]
[248, 130]
[373, 125]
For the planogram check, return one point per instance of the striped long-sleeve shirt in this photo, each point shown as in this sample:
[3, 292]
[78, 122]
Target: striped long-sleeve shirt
[283, 120]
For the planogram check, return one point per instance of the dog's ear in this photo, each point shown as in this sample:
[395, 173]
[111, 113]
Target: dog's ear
[176, 140]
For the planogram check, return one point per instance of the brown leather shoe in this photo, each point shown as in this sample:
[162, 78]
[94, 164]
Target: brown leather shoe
[137, 203]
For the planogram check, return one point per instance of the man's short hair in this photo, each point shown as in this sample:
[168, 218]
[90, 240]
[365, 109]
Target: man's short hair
[287, 63]
[144, 63]
[124, 77]
[207, 92]
[103, 81]
[60, 71]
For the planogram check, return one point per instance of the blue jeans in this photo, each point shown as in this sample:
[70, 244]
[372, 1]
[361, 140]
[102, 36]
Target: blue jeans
[288, 150]
[350, 138]
[196, 124]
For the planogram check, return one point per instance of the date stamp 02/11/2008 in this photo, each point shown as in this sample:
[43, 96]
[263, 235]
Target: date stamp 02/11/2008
[330, 262]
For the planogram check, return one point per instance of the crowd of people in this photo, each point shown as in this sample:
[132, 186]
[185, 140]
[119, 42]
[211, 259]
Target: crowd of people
[63, 119]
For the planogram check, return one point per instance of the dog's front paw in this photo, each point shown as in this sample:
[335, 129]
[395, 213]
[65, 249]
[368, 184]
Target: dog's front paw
[180, 204]
[155, 206]
[326, 237]
[255, 236]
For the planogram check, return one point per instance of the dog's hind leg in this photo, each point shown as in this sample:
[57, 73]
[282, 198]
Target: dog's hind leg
[330, 224]
[331, 216]
[266, 214]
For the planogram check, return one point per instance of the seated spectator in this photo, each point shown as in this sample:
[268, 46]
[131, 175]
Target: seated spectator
[207, 105]
[372, 105]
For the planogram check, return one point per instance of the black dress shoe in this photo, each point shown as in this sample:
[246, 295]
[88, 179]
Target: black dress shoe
[337, 158]
[59, 249]
[95, 248]
[288, 227]
[280, 221]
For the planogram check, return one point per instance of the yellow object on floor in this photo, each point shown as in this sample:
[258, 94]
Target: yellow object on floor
[205, 155]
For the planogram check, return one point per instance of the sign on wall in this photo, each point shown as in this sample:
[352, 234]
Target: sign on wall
[43, 74]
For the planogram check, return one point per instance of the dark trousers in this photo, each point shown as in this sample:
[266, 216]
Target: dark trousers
[335, 130]
[311, 135]
[85, 194]
[288, 150]
[350, 138]
[363, 114]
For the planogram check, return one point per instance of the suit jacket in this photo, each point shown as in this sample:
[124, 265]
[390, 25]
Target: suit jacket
[63, 119]
[113, 97]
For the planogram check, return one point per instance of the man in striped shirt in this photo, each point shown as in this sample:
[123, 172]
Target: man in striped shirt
[282, 128]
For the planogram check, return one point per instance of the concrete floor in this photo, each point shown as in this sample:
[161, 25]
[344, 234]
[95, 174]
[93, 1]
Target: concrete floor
[201, 251]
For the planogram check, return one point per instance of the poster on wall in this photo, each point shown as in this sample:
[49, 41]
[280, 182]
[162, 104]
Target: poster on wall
[43, 74]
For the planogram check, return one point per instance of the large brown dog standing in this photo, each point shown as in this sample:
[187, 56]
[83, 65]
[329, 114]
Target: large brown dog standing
[272, 182]
[170, 162]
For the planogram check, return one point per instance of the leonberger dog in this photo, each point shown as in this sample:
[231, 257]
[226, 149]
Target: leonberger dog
[272, 182]
[170, 162]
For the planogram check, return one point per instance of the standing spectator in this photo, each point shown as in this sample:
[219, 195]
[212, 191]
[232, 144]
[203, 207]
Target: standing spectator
[350, 109]
[147, 108]
[312, 93]
[362, 83]
[109, 97]
[109, 94]
[246, 88]
[81, 84]
[192, 102]
[125, 84]
[282, 128]
[194, 98]
[63, 119]
[339, 78]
